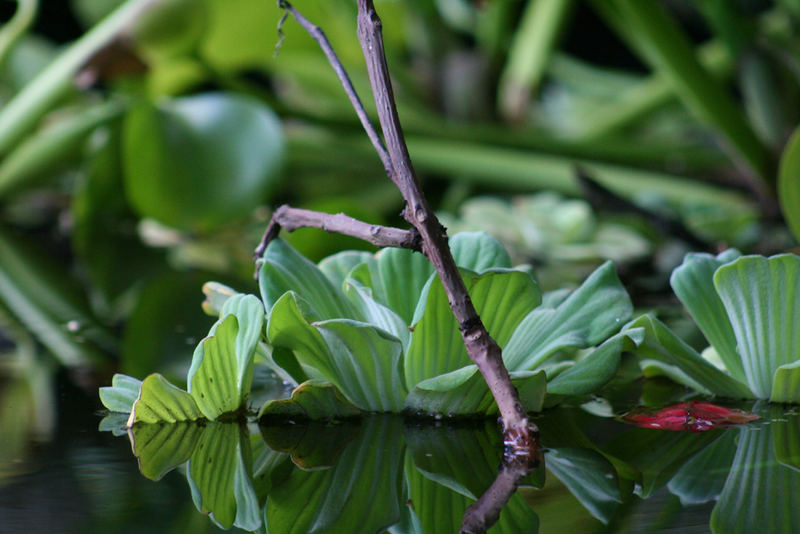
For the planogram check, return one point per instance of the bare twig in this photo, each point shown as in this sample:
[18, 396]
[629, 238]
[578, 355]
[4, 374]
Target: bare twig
[520, 433]
[317, 33]
[290, 219]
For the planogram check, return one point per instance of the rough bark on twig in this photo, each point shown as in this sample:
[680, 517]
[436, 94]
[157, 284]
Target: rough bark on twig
[481, 347]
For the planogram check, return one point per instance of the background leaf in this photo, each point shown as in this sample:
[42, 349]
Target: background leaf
[789, 184]
[122, 393]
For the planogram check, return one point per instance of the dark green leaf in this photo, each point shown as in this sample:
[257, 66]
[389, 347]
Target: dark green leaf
[315, 399]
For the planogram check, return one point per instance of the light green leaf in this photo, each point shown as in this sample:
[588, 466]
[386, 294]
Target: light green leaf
[396, 277]
[161, 448]
[478, 251]
[464, 392]
[161, 402]
[363, 362]
[338, 266]
[593, 371]
[702, 478]
[590, 477]
[789, 183]
[786, 384]
[693, 283]
[284, 269]
[502, 298]
[122, 393]
[219, 475]
[361, 491]
[377, 314]
[660, 343]
[762, 298]
[588, 316]
[222, 367]
[216, 296]
[369, 364]
[314, 399]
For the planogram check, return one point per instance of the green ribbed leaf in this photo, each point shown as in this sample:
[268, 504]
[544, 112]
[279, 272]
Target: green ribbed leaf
[361, 492]
[314, 399]
[597, 368]
[396, 277]
[478, 251]
[123, 392]
[661, 344]
[220, 477]
[597, 309]
[311, 445]
[502, 298]
[762, 299]
[222, 366]
[693, 283]
[590, 477]
[376, 313]
[760, 494]
[464, 392]
[284, 269]
[789, 183]
[162, 448]
[161, 402]
[786, 384]
[338, 266]
[362, 361]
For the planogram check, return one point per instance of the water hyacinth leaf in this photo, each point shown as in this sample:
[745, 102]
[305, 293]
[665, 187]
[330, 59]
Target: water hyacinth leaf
[312, 445]
[222, 367]
[284, 269]
[337, 267]
[789, 183]
[786, 384]
[478, 251]
[693, 283]
[363, 488]
[175, 151]
[786, 439]
[123, 392]
[759, 494]
[220, 479]
[162, 448]
[314, 399]
[762, 298]
[376, 313]
[590, 477]
[396, 277]
[502, 299]
[661, 344]
[216, 296]
[369, 364]
[363, 362]
[588, 316]
[594, 370]
[161, 402]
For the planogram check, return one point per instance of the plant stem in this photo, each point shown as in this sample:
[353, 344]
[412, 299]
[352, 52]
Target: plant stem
[14, 29]
[482, 349]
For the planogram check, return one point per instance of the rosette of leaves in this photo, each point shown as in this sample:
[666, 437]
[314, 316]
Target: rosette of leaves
[380, 330]
[374, 333]
[562, 235]
[748, 308]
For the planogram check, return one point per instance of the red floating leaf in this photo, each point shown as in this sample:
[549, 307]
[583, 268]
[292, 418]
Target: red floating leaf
[694, 416]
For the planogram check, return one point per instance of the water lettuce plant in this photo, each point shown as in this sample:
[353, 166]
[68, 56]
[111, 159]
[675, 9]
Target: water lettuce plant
[748, 308]
[373, 333]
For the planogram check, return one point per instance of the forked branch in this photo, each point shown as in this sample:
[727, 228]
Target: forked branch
[520, 433]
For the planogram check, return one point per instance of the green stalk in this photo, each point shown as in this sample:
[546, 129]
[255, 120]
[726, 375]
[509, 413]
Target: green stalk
[25, 110]
[668, 51]
[46, 150]
[530, 53]
[14, 29]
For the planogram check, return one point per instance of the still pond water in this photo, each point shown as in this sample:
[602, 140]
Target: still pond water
[599, 475]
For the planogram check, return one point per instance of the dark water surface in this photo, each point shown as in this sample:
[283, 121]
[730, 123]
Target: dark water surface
[367, 476]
